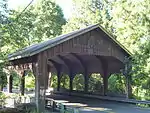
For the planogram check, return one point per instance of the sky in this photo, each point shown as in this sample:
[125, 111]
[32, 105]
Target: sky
[66, 5]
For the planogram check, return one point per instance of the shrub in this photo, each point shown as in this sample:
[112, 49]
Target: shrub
[11, 110]
[27, 107]
[22, 108]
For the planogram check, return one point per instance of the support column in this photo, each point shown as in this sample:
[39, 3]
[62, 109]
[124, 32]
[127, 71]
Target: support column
[85, 71]
[41, 68]
[126, 72]
[49, 80]
[86, 80]
[71, 84]
[9, 83]
[37, 89]
[69, 65]
[128, 87]
[58, 81]
[105, 82]
[58, 67]
[22, 83]
[104, 65]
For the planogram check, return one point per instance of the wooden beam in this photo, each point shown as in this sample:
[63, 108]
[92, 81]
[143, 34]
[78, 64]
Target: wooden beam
[22, 83]
[70, 69]
[104, 63]
[56, 64]
[41, 81]
[58, 68]
[85, 72]
[9, 83]
[66, 61]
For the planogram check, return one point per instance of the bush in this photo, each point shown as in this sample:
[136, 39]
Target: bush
[27, 107]
[2, 99]
[22, 108]
[11, 110]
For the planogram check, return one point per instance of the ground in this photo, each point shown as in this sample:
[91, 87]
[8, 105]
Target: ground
[88, 105]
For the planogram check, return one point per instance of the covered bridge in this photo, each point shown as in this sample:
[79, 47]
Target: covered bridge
[86, 51]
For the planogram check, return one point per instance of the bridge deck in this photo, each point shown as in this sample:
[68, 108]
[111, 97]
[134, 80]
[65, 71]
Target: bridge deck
[109, 98]
[91, 105]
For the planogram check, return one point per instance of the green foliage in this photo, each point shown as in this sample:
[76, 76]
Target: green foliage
[2, 99]
[116, 84]
[87, 12]
[23, 108]
[3, 21]
[40, 22]
[30, 80]
[16, 79]
[2, 95]
[78, 82]
[64, 82]
[3, 77]
[95, 83]
[54, 81]
[11, 110]
[131, 21]
[49, 20]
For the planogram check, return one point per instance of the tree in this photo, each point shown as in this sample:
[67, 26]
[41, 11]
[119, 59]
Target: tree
[131, 25]
[3, 21]
[49, 20]
[131, 22]
[88, 12]
[41, 21]
[37, 23]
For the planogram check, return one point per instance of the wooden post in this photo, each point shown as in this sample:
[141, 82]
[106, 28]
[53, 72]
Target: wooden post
[58, 81]
[37, 87]
[49, 79]
[104, 64]
[9, 83]
[71, 82]
[41, 81]
[105, 82]
[22, 84]
[85, 73]
[128, 87]
[58, 67]
[86, 79]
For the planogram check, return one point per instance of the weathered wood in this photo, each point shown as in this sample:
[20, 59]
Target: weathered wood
[67, 62]
[58, 81]
[22, 83]
[85, 72]
[71, 81]
[70, 71]
[9, 83]
[128, 87]
[58, 68]
[91, 43]
[41, 81]
[86, 79]
[49, 79]
[105, 73]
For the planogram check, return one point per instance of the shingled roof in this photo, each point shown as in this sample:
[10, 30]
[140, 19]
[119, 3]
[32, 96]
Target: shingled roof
[37, 48]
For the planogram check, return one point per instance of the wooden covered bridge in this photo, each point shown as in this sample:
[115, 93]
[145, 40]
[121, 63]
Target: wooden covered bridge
[86, 51]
